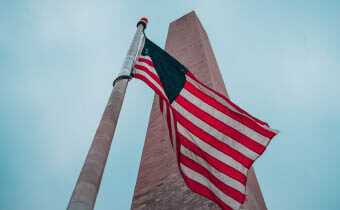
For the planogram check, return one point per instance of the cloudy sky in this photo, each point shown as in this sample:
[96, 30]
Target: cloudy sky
[280, 61]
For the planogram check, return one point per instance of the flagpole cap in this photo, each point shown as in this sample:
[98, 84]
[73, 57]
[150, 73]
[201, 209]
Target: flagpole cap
[144, 21]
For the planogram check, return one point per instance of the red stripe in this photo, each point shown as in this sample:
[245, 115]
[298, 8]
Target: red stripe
[169, 124]
[236, 116]
[160, 104]
[152, 75]
[231, 192]
[204, 191]
[144, 79]
[227, 130]
[219, 165]
[209, 139]
[227, 100]
[176, 132]
[147, 61]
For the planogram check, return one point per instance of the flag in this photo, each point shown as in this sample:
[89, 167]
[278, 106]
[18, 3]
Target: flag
[215, 141]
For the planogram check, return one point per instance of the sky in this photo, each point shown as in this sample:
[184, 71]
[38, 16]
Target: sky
[280, 61]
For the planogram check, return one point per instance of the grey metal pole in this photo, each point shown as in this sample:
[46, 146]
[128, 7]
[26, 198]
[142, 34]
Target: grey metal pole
[85, 192]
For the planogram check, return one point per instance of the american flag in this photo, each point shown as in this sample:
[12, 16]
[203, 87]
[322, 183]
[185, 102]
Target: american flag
[215, 141]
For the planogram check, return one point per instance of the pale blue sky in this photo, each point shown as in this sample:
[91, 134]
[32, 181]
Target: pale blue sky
[279, 60]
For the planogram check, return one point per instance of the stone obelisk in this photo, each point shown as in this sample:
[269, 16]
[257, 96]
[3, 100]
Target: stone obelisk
[159, 183]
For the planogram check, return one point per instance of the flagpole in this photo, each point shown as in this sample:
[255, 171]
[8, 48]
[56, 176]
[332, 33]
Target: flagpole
[85, 192]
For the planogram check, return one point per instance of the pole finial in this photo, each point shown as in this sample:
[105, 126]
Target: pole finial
[144, 21]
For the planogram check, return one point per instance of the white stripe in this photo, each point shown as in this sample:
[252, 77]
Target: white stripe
[215, 133]
[211, 150]
[219, 175]
[150, 68]
[205, 182]
[173, 131]
[165, 112]
[250, 133]
[143, 73]
[146, 57]
[223, 101]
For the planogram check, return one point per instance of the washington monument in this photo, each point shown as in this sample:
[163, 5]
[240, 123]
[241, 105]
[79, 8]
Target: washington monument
[159, 183]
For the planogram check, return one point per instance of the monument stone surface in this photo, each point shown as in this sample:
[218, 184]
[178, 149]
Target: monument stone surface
[159, 183]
